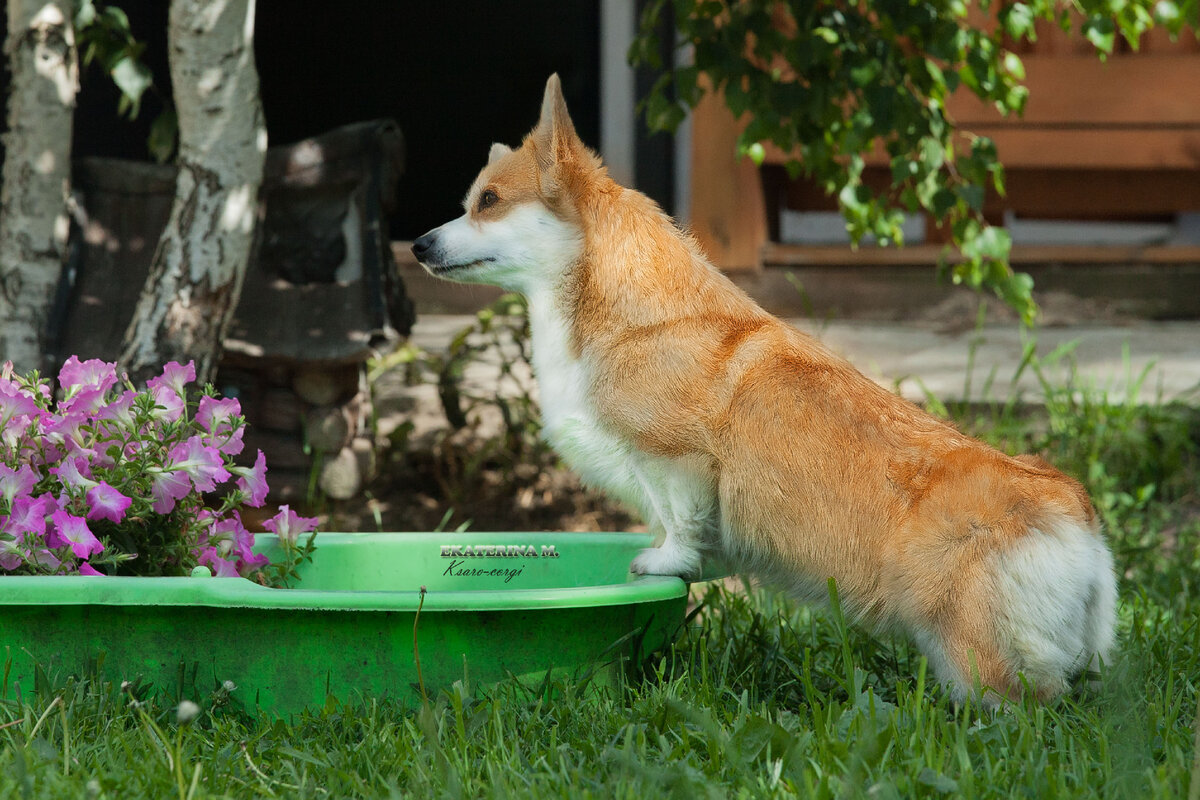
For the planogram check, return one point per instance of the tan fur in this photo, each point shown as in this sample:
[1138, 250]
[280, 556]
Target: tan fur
[819, 472]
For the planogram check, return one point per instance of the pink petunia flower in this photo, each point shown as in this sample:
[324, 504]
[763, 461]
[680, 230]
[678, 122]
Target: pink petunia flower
[221, 567]
[14, 403]
[253, 481]
[11, 556]
[66, 432]
[170, 404]
[83, 542]
[29, 515]
[119, 410]
[105, 502]
[91, 374]
[87, 569]
[218, 417]
[87, 400]
[288, 525]
[202, 463]
[232, 530]
[175, 376]
[70, 474]
[44, 558]
[166, 487]
[16, 482]
[10, 386]
[12, 434]
[168, 388]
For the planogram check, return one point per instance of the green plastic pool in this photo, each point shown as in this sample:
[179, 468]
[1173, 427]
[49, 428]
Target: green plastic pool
[496, 604]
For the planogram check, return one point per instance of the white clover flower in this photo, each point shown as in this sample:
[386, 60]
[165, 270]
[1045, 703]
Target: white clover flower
[186, 712]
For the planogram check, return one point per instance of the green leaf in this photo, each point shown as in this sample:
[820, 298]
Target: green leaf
[942, 202]
[1166, 12]
[133, 79]
[164, 132]
[116, 19]
[933, 153]
[1100, 31]
[994, 243]
[1018, 21]
[86, 15]
[973, 194]
[1013, 65]
[828, 34]
[865, 74]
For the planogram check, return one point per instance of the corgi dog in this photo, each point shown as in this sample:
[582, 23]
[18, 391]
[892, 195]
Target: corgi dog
[734, 434]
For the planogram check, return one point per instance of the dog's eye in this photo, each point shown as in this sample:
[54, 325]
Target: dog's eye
[487, 199]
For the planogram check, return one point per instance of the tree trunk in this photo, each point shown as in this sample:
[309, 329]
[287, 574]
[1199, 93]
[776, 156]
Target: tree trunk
[196, 277]
[37, 172]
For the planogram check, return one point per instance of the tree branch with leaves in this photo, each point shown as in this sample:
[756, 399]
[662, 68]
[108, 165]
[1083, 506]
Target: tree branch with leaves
[830, 82]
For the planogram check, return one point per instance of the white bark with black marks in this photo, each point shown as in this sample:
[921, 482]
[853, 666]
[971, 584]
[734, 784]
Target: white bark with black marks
[196, 277]
[37, 171]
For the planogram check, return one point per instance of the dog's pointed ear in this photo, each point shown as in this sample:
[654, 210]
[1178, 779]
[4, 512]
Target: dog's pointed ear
[555, 133]
[498, 152]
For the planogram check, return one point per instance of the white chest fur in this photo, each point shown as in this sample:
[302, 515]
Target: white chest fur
[675, 496]
[571, 422]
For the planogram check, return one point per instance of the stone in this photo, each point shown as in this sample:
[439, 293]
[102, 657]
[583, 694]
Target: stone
[329, 428]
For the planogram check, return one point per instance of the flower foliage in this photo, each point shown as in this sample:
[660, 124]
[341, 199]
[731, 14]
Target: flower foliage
[111, 480]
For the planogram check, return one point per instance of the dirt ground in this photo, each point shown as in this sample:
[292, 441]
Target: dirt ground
[415, 498]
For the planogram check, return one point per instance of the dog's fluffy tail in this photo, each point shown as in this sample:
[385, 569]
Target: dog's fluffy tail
[1056, 597]
[1044, 613]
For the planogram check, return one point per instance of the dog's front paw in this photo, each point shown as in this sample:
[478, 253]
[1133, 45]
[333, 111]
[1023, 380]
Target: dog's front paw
[667, 561]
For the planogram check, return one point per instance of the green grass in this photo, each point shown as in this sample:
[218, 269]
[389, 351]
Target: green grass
[758, 697]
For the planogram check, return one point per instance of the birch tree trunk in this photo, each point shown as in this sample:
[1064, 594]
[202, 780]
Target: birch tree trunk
[37, 172]
[196, 277]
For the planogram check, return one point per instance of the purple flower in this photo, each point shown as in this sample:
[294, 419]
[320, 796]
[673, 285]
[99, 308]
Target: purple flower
[170, 403]
[66, 430]
[168, 388]
[69, 474]
[221, 567]
[9, 386]
[91, 374]
[29, 515]
[14, 403]
[84, 543]
[87, 400]
[166, 487]
[12, 434]
[202, 463]
[231, 528]
[220, 419]
[11, 556]
[119, 410]
[98, 431]
[44, 558]
[175, 376]
[288, 525]
[253, 481]
[16, 482]
[107, 503]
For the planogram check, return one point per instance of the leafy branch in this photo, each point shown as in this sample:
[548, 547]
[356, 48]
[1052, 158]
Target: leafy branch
[830, 82]
[104, 36]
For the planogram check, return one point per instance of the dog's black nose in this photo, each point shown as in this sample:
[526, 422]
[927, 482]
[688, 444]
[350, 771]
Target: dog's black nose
[422, 246]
